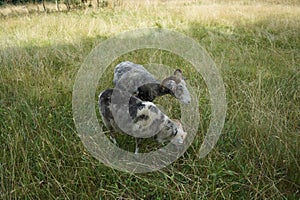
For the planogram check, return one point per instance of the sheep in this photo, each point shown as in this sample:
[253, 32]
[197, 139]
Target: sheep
[136, 80]
[146, 119]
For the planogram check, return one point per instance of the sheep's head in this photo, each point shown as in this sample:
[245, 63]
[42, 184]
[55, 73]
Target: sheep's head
[181, 134]
[172, 131]
[177, 85]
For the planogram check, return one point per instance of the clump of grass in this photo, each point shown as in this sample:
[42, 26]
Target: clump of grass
[257, 52]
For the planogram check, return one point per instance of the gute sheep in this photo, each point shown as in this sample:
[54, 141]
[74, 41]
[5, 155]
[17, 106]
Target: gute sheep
[136, 80]
[145, 117]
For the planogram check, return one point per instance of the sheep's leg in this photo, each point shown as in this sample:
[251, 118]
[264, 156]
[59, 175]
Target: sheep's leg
[112, 137]
[137, 142]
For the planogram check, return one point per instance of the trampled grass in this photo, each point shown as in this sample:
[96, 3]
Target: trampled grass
[256, 47]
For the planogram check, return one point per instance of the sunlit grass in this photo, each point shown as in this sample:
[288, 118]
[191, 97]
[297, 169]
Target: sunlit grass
[256, 47]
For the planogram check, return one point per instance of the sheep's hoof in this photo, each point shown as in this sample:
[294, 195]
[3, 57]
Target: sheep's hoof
[113, 140]
[136, 151]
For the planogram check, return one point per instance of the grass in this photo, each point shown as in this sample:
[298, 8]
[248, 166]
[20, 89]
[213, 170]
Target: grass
[256, 47]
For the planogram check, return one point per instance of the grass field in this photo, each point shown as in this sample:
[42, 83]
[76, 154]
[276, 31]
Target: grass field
[256, 46]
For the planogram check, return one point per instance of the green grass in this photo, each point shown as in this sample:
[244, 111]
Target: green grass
[256, 47]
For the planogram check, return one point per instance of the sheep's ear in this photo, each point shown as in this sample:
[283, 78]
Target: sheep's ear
[178, 73]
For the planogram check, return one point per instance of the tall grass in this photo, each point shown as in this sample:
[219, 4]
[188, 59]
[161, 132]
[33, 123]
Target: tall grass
[256, 47]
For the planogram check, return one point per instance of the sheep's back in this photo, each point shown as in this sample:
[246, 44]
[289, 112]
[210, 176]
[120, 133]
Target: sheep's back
[125, 67]
[129, 77]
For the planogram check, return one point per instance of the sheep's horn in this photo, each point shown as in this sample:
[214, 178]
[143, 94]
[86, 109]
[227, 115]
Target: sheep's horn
[178, 71]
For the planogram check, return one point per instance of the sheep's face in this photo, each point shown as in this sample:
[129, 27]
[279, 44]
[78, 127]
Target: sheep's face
[177, 85]
[181, 92]
[171, 131]
[181, 134]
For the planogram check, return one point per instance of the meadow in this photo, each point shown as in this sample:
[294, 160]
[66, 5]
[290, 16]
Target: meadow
[256, 47]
